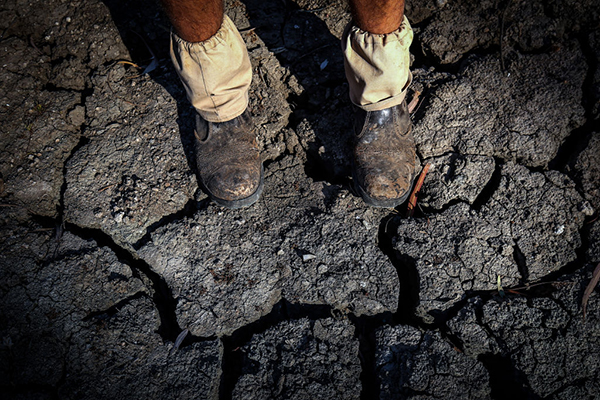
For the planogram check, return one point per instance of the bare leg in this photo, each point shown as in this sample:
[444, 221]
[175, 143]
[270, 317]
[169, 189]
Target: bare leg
[377, 16]
[195, 20]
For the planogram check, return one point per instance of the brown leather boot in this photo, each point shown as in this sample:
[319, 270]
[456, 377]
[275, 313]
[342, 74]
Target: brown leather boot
[228, 161]
[384, 155]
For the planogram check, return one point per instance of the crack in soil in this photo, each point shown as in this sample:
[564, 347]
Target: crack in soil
[112, 310]
[162, 297]
[579, 138]
[233, 357]
[188, 211]
[505, 379]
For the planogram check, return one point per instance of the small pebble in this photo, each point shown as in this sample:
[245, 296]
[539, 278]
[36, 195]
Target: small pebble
[308, 257]
[586, 208]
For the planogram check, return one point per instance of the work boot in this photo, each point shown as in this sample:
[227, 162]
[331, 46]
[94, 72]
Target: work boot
[384, 155]
[228, 161]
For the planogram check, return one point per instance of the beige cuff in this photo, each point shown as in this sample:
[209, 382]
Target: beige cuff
[216, 73]
[377, 66]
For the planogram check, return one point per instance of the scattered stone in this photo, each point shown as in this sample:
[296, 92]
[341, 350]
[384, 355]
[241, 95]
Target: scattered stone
[91, 39]
[455, 177]
[308, 257]
[491, 113]
[134, 169]
[46, 66]
[301, 359]
[78, 322]
[411, 364]
[225, 275]
[305, 40]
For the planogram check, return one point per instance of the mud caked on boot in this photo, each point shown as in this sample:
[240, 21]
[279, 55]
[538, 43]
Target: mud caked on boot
[228, 161]
[384, 155]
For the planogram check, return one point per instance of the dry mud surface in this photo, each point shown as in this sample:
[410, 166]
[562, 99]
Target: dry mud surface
[119, 278]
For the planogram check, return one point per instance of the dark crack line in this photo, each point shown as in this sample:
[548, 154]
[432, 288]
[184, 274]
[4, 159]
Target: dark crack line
[83, 140]
[365, 328]
[406, 269]
[491, 186]
[114, 309]
[506, 381]
[162, 297]
[521, 261]
[424, 59]
[579, 138]
[61, 202]
[233, 356]
[188, 211]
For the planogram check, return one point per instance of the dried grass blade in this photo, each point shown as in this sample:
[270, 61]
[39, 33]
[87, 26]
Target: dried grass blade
[590, 288]
[180, 338]
[412, 201]
[123, 62]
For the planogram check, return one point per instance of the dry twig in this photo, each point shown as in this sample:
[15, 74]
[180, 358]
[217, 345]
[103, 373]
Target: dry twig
[412, 202]
[413, 103]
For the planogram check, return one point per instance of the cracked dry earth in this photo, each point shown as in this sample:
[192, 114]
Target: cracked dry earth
[110, 252]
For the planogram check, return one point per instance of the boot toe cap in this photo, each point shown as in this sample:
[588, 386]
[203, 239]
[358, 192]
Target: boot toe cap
[233, 183]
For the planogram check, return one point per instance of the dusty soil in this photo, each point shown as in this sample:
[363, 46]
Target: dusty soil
[119, 278]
